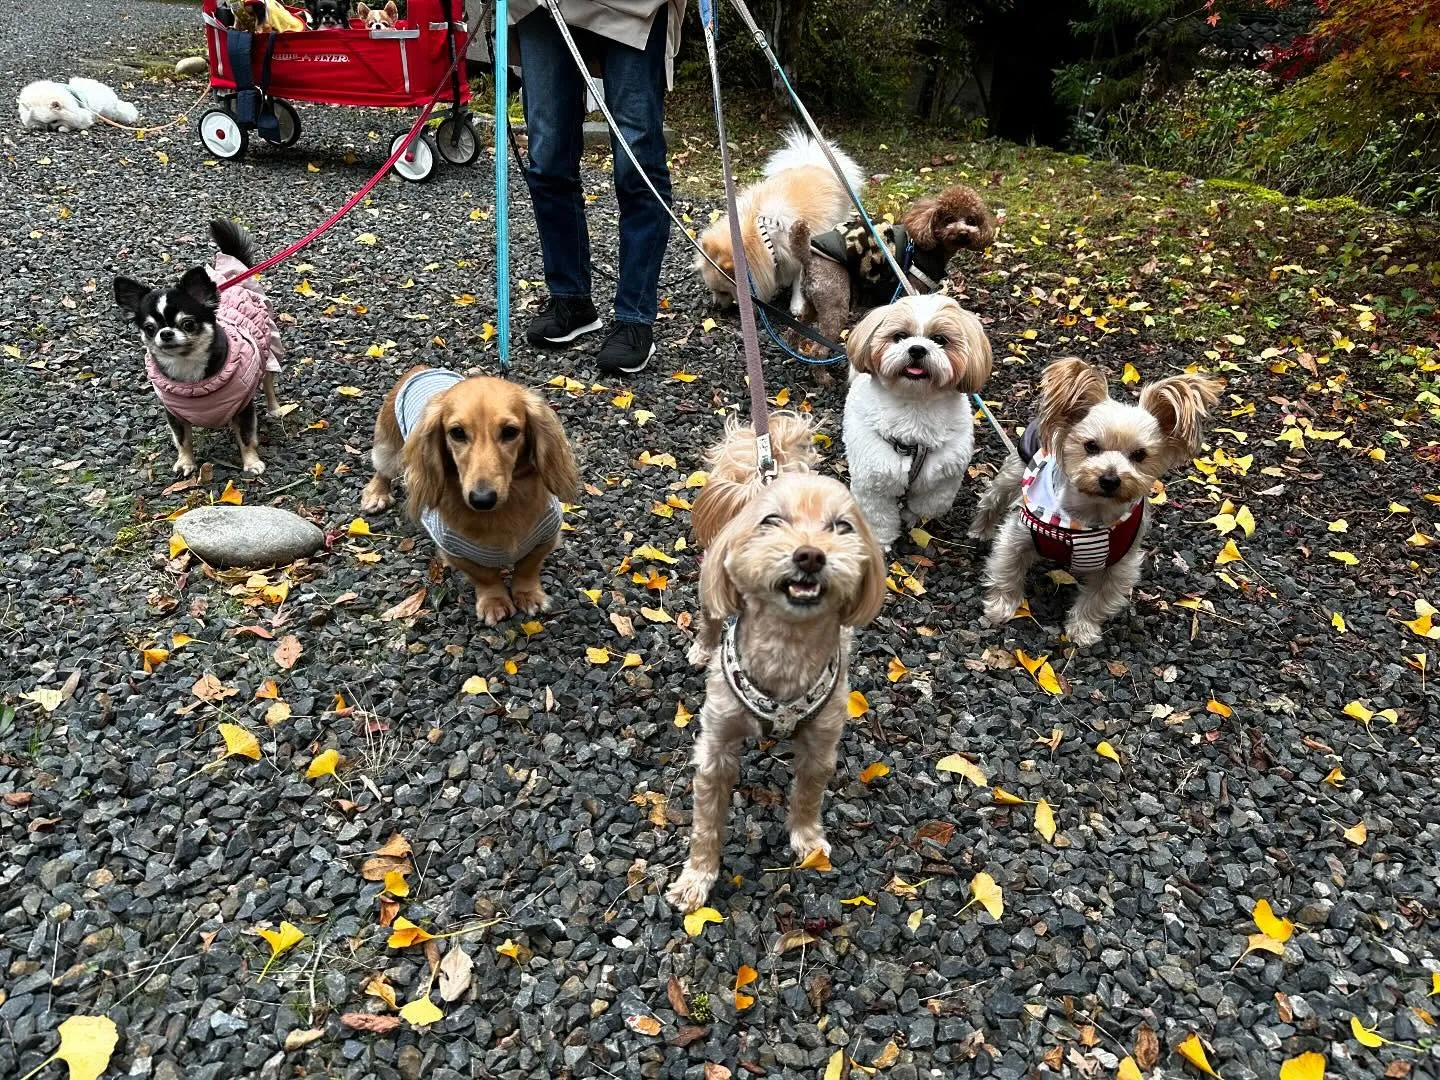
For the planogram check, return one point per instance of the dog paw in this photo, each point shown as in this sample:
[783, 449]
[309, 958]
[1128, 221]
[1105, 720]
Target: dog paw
[691, 888]
[1000, 608]
[493, 609]
[253, 467]
[1082, 632]
[531, 601]
[807, 838]
[184, 466]
[375, 502]
[699, 654]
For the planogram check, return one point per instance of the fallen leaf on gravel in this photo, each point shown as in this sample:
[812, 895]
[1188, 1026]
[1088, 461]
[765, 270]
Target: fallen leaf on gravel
[1147, 1047]
[17, 800]
[300, 1038]
[676, 993]
[239, 742]
[405, 933]
[855, 901]
[963, 766]
[1041, 671]
[874, 771]
[323, 763]
[1356, 834]
[1045, 820]
[896, 670]
[632, 659]
[396, 847]
[984, 889]
[152, 658]
[209, 689]
[1000, 797]
[856, 705]
[456, 972]
[1308, 1066]
[377, 867]
[1105, 750]
[656, 615]
[683, 715]
[887, 1056]
[376, 1023]
[1365, 1036]
[1337, 620]
[689, 1034]
[422, 1012]
[1262, 943]
[793, 939]
[406, 608]
[1423, 624]
[231, 496]
[915, 918]
[1344, 557]
[1228, 554]
[645, 1025]
[281, 941]
[696, 920]
[395, 883]
[389, 908]
[743, 978]
[530, 629]
[177, 545]
[378, 987]
[835, 1067]
[1266, 919]
[1334, 777]
[475, 684]
[623, 626]
[1193, 1051]
[817, 860]
[86, 1043]
[902, 888]
[288, 651]
[1128, 1070]
[716, 1072]
[597, 656]
[1219, 708]
[1434, 980]
[277, 713]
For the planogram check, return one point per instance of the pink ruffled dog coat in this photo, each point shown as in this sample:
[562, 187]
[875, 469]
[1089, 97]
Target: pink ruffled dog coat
[245, 316]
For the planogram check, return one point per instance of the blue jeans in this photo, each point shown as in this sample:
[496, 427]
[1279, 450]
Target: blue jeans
[554, 97]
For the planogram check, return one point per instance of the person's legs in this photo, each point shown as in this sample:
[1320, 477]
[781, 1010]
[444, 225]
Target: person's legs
[554, 98]
[635, 92]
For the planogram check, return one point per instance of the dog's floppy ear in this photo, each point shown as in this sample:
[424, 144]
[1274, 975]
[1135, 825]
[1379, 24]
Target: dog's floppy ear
[1069, 389]
[197, 284]
[717, 591]
[870, 597]
[429, 469]
[1180, 404]
[919, 222]
[130, 294]
[969, 352]
[860, 345]
[548, 448]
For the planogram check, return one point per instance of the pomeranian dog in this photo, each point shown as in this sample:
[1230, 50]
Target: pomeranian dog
[73, 106]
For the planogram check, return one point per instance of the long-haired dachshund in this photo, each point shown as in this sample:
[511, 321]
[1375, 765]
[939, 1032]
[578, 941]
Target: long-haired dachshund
[486, 464]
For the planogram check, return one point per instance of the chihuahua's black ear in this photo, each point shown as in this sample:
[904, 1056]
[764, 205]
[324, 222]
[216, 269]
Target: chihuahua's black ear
[130, 294]
[197, 284]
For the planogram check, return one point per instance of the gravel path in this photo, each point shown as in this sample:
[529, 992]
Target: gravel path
[548, 813]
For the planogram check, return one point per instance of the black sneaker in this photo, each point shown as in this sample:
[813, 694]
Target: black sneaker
[563, 320]
[627, 349]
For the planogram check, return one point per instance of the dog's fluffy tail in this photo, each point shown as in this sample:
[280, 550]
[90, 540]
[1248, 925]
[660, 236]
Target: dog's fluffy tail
[234, 240]
[801, 149]
[733, 477]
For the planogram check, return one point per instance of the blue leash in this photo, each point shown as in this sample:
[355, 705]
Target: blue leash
[502, 182]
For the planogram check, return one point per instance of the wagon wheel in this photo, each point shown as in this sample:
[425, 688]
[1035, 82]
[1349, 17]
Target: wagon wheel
[222, 134]
[289, 121]
[456, 139]
[418, 161]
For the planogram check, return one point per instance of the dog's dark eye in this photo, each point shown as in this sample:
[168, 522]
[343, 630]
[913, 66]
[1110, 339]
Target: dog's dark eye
[457, 433]
[188, 325]
[899, 336]
[509, 433]
[772, 521]
[1139, 456]
[841, 526]
[1092, 447]
[971, 221]
[940, 339]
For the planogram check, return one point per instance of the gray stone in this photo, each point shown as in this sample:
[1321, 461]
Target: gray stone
[192, 65]
[223, 1023]
[252, 536]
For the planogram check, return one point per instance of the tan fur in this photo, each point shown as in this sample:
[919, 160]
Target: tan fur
[955, 219]
[1069, 388]
[459, 446]
[732, 477]
[967, 348]
[1179, 404]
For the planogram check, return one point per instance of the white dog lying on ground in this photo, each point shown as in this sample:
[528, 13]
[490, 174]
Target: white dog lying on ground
[53, 106]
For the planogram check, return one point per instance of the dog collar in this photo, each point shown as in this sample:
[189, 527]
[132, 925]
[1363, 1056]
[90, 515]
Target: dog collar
[765, 224]
[778, 719]
[915, 452]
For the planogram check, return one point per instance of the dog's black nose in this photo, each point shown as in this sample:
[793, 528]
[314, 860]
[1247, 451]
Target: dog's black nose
[919, 352]
[482, 498]
[810, 560]
[166, 335]
[1109, 483]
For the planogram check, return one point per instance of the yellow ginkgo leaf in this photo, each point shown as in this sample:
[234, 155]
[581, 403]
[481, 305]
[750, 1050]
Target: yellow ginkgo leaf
[177, 544]
[743, 1001]
[239, 742]
[231, 495]
[896, 670]
[1193, 1051]
[1228, 554]
[597, 656]
[1045, 820]
[359, 527]
[86, 1043]
[921, 537]
[1263, 943]
[281, 941]
[395, 883]
[475, 684]
[1105, 750]
[1128, 1070]
[683, 715]
[1339, 525]
[1041, 671]
[856, 901]
[422, 1012]
[322, 764]
[1356, 834]
[856, 705]
[509, 949]
[405, 933]
[1219, 708]
[874, 771]
[963, 766]
[1344, 557]
[818, 859]
[1246, 520]
[1308, 1066]
[1334, 777]
[1337, 620]
[696, 920]
[632, 659]
[1269, 923]
[1434, 980]
[1001, 797]
[835, 1067]
[593, 595]
[984, 889]
[378, 987]
[1129, 376]
[152, 658]
[1365, 1036]
[179, 640]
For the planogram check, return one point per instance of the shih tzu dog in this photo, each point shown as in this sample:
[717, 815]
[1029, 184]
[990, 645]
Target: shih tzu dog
[909, 429]
[74, 106]
[845, 269]
[792, 565]
[1076, 493]
[799, 196]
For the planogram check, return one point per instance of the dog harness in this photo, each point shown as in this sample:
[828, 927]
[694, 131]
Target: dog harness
[917, 454]
[778, 719]
[410, 405]
[853, 246]
[249, 326]
[1060, 538]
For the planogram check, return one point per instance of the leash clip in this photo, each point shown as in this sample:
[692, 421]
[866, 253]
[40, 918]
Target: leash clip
[765, 459]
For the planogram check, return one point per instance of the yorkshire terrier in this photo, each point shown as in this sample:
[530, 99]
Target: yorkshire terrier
[1076, 492]
[791, 563]
[909, 431]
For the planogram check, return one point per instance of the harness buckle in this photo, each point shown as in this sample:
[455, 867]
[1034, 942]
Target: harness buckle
[765, 459]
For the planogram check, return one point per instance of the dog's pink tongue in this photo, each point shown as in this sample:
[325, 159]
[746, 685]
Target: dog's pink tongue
[915, 369]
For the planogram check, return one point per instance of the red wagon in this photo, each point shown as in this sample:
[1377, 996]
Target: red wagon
[397, 67]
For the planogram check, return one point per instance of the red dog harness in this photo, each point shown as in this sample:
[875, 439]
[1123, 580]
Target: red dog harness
[1060, 538]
